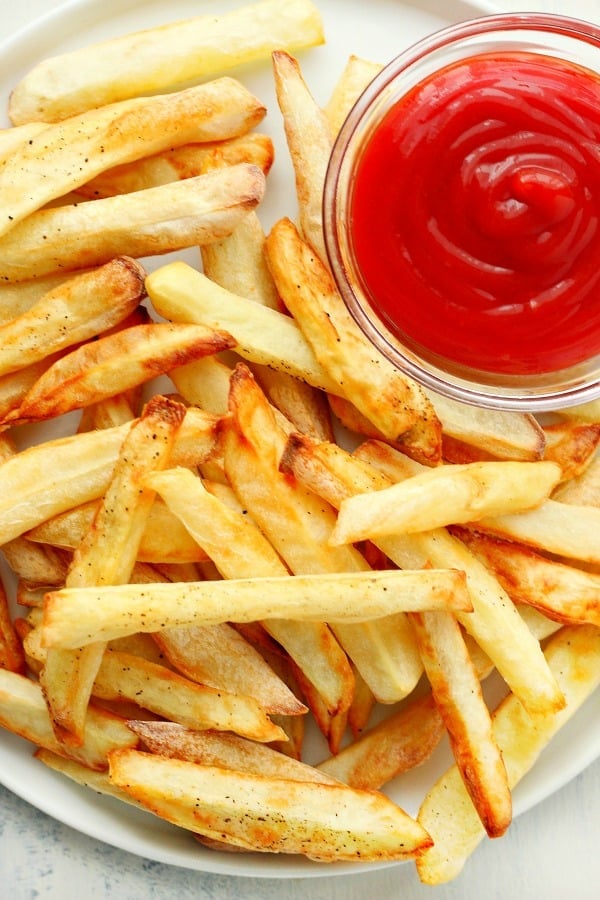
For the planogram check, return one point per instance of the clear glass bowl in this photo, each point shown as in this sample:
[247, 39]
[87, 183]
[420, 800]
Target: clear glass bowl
[553, 35]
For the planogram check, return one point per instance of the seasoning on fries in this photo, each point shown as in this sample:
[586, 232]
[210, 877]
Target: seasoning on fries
[229, 520]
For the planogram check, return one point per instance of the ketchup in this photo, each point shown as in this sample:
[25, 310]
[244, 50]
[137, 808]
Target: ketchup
[475, 214]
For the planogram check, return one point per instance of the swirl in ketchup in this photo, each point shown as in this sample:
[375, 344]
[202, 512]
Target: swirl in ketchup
[475, 214]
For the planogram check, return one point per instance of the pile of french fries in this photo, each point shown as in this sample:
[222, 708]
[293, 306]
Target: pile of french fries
[250, 523]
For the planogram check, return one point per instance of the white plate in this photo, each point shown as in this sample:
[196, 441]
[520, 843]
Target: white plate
[378, 30]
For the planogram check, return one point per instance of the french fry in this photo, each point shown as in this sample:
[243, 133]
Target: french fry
[164, 539]
[572, 445]
[336, 475]
[394, 403]
[23, 711]
[107, 555]
[582, 489]
[74, 311]
[99, 782]
[180, 163]
[397, 744]
[443, 496]
[161, 58]
[219, 657]
[168, 694]
[227, 750]
[70, 153]
[322, 821]
[146, 223]
[56, 475]
[356, 75]
[252, 449]
[564, 593]
[114, 364]
[564, 529]
[35, 563]
[263, 335]
[447, 811]
[309, 142]
[77, 616]
[457, 693]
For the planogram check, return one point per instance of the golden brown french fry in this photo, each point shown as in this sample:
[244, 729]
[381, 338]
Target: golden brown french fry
[161, 58]
[583, 489]
[51, 477]
[107, 555]
[562, 592]
[164, 540]
[443, 496]
[572, 445]
[355, 77]
[23, 711]
[69, 153]
[36, 564]
[334, 474]
[382, 651]
[564, 529]
[503, 434]
[114, 364]
[164, 692]
[309, 142]
[145, 223]
[393, 402]
[227, 750]
[457, 693]
[18, 297]
[447, 811]
[322, 821]
[219, 657]
[180, 163]
[397, 744]
[75, 311]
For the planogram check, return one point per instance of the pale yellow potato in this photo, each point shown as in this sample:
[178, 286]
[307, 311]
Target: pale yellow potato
[164, 539]
[565, 529]
[584, 489]
[113, 364]
[74, 617]
[321, 821]
[447, 811]
[445, 495]
[355, 77]
[572, 445]
[146, 223]
[263, 335]
[63, 473]
[162, 58]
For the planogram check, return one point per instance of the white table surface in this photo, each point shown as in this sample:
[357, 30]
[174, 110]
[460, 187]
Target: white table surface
[550, 852]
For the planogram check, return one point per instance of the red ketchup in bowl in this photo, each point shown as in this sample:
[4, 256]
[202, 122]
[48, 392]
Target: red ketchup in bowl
[475, 214]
